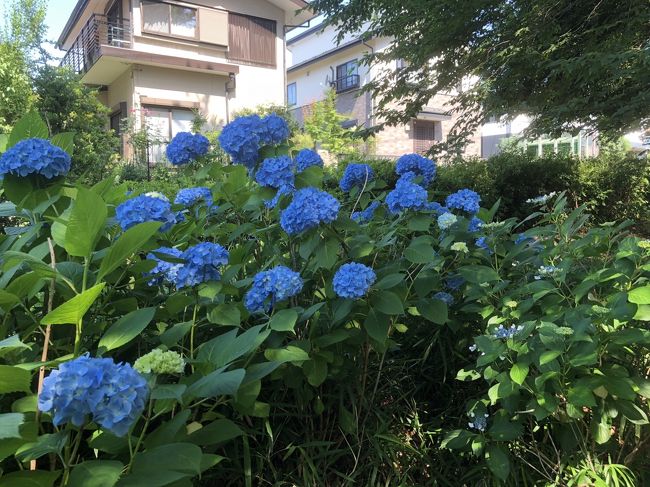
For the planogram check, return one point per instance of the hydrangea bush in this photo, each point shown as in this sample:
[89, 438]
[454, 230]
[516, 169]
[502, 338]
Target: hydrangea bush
[147, 344]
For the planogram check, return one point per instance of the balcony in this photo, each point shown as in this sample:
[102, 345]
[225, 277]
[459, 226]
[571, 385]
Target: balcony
[346, 83]
[98, 32]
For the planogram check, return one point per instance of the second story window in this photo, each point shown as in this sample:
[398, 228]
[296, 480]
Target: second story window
[252, 40]
[168, 19]
[347, 76]
[292, 95]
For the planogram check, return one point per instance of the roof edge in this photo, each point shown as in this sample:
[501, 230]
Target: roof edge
[72, 20]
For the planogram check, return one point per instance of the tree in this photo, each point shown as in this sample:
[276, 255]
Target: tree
[570, 65]
[68, 105]
[25, 27]
[323, 125]
[16, 93]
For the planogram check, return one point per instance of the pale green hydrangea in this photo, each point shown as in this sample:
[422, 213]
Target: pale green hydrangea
[460, 247]
[159, 362]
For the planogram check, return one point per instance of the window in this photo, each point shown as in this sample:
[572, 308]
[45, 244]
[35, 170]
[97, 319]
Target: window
[251, 40]
[424, 135]
[292, 95]
[168, 19]
[347, 76]
[163, 123]
[400, 64]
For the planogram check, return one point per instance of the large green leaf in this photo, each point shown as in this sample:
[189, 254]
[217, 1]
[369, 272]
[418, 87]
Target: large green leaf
[14, 379]
[85, 224]
[284, 320]
[64, 140]
[388, 303]
[640, 295]
[479, 274]
[126, 245]
[420, 252]
[44, 444]
[126, 328]
[290, 353]
[96, 473]
[164, 465]
[218, 431]
[433, 310]
[10, 425]
[225, 314]
[217, 383]
[29, 126]
[71, 312]
[498, 461]
[377, 326]
[225, 348]
[30, 478]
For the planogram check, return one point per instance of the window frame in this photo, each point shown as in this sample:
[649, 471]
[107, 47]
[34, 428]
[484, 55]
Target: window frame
[170, 5]
[170, 122]
[295, 94]
[349, 74]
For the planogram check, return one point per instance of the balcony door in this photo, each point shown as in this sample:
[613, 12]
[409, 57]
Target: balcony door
[115, 24]
[163, 124]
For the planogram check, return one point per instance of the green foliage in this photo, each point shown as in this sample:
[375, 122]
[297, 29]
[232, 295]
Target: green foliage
[16, 95]
[323, 125]
[567, 66]
[373, 391]
[68, 105]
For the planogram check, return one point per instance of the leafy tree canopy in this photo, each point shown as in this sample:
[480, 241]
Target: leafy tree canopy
[570, 65]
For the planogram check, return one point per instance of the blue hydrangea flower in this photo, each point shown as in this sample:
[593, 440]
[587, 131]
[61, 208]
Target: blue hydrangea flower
[420, 166]
[202, 263]
[145, 208]
[446, 220]
[270, 287]
[478, 422]
[464, 199]
[113, 395]
[474, 224]
[353, 280]
[189, 197]
[273, 130]
[309, 208]
[164, 271]
[454, 282]
[444, 297]
[367, 214]
[186, 147]
[307, 158]
[436, 208]
[272, 203]
[276, 172]
[356, 175]
[406, 195]
[504, 333]
[35, 156]
[482, 243]
[240, 139]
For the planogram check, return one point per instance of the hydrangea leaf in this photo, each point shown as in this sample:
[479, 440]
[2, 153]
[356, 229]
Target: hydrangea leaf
[73, 310]
[640, 295]
[217, 383]
[29, 126]
[126, 328]
[44, 444]
[284, 320]
[85, 224]
[129, 243]
[14, 379]
[388, 303]
[96, 473]
[218, 431]
[64, 140]
[10, 425]
[30, 478]
[226, 315]
[498, 461]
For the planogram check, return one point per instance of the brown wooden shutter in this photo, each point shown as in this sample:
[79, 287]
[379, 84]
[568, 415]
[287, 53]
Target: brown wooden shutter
[424, 135]
[252, 40]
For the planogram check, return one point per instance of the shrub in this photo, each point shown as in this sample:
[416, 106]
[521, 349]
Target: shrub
[296, 332]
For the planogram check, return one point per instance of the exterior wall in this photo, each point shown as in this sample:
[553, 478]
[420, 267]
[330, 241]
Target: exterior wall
[206, 91]
[121, 90]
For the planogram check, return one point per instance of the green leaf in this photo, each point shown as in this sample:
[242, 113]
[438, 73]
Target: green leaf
[519, 372]
[4, 140]
[640, 295]
[85, 224]
[222, 350]
[14, 379]
[434, 310]
[44, 444]
[388, 303]
[95, 473]
[164, 465]
[10, 344]
[218, 431]
[225, 314]
[29, 478]
[217, 383]
[377, 325]
[498, 461]
[126, 328]
[327, 253]
[64, 140]
[479, 274]
[8, 300]
[315, 370]
[549, 356]
[420, 252]
[169, 391]
[71, 312]
[128, 244]
[10, 425]
[284, 320]
[288, 354]
[29, 126]
[390, 281]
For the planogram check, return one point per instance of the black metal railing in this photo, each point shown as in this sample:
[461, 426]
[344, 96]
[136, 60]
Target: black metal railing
[98, 31]
[349, 82]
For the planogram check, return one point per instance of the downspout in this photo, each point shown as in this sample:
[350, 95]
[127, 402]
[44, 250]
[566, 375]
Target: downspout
[371, 117]
[231, 85]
